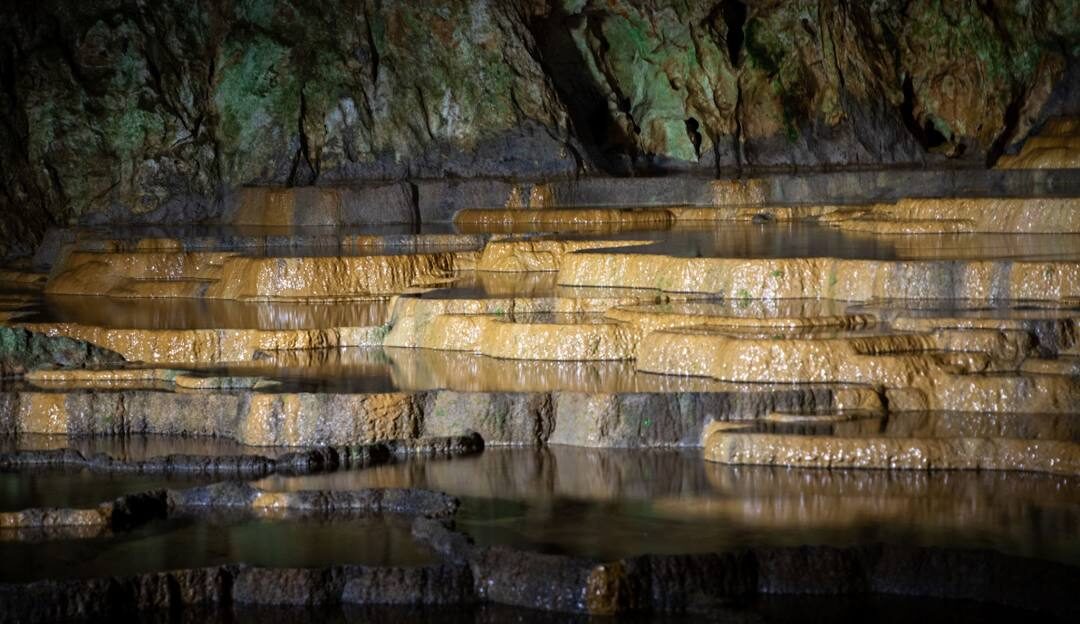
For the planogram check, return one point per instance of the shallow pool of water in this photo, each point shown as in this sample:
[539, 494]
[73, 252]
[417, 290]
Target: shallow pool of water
[612, 503]
[193, 542]
[39, 487]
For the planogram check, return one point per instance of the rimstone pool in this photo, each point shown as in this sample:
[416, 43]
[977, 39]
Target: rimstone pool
[665, 343]
[717, 416]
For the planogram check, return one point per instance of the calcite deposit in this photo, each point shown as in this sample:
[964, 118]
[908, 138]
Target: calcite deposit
[828, 278]
[470, 310]
[208, 346]
[1055, 146]
[996, 215]
[915, 453]
[215, 275]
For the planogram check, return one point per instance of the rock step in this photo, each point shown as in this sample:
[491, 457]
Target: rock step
[222, 275]
[1007, 215]
[1056, 146]
[827, 278]
[209, 346]
[732, 445]
[439, 200]
[337, 419]
[917, 372]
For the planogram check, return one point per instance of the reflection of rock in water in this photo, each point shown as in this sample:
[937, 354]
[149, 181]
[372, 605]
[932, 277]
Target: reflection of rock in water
[618, 502]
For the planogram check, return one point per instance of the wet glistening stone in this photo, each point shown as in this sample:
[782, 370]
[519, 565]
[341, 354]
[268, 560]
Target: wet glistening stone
[539, 311]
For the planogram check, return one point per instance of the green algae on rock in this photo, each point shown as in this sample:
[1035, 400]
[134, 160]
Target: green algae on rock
[122, 111]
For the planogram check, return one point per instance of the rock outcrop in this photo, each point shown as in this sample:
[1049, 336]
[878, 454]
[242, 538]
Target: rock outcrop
[116, 110]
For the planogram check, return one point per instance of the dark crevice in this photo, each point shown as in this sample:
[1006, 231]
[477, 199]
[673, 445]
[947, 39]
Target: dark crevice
[310, 173]
[54, 179]
[733, 13]
[414, 202]
[424, 112]
[1008, 134]
[693, 130]
[716, 156]
[926, 134]
[835, 56]
[373, 52]
[604, 143]
[740, 156]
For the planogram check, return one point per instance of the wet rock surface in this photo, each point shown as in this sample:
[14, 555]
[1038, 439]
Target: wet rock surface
[649, 397]
[383, 92]
[683, 584]
[287, 461]
[470, 574]
[1056, 146]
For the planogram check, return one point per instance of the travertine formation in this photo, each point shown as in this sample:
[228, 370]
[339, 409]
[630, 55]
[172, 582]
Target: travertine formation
[1010, 215]
[592, 321]
[215, 275]
[208, 346]
[908, 335]
[854, 280]
[724, 310]
[1056, 146]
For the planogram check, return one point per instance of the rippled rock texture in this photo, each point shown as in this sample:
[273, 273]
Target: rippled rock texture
[122, 110]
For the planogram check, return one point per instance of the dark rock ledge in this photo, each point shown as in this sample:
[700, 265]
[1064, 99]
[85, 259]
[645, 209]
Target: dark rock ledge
[475, 575]
[132, 510]
[652, 583]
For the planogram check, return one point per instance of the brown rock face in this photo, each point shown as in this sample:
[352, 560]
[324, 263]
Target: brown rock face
[1057, 146]
[123, 111]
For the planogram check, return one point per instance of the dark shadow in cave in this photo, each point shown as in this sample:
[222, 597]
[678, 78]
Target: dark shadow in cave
[693, 131]
[733, 13]
[605, 143]
[926, 134]
[1011, 121]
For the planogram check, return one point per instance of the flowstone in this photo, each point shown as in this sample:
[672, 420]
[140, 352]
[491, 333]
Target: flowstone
[308, 378]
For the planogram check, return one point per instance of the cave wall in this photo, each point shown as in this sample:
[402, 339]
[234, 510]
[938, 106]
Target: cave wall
[133, 106]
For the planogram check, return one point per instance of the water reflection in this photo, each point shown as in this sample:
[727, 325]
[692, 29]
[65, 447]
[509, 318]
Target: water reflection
[195, 542]
[41, 487]
[612, 503]
[134, 447]
[361, 369]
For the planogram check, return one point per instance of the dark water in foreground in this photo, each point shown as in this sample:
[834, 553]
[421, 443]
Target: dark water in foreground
[761, 610]
[617, 503]
[601, 504]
